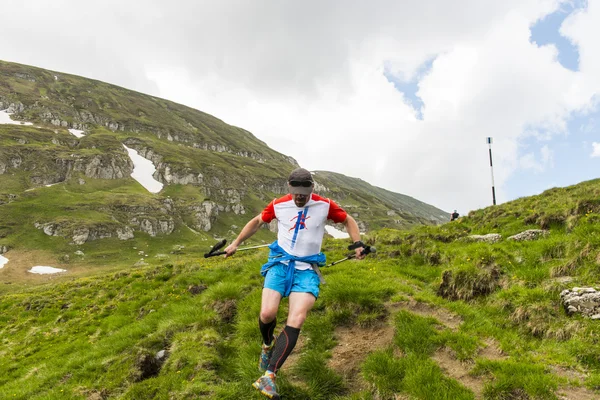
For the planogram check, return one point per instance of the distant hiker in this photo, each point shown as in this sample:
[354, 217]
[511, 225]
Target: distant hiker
[453, 216]
[301, 217]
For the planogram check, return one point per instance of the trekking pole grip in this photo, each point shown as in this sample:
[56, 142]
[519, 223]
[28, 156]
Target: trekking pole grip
[218, 253]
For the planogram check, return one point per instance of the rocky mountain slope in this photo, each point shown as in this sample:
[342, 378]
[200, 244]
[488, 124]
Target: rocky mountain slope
[67, 173]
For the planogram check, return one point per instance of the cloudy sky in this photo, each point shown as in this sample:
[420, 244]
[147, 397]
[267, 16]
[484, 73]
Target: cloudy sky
[399, 93]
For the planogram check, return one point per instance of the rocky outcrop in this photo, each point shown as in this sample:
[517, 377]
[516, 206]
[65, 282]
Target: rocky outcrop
[233, 201]
[7, 198]
[166, 175]
[531, 234]
[162, 206]
[81, 119]
[584, 301]
[14, 161]
[320, 188]
[81, 234]
[48, 167]
[204, 215]
[104, 166]
[489, 238]
[154, 226]
[101, 166]
[11, 107]
[125, 233]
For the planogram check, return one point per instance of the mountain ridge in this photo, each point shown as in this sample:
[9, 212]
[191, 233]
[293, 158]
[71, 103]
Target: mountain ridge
[228, 172]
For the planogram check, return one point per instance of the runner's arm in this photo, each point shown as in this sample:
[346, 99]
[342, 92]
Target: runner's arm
[354, 232]
[247, 231]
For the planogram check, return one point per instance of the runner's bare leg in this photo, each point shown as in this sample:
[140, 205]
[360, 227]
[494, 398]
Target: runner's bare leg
[269, 305]
[300, 305]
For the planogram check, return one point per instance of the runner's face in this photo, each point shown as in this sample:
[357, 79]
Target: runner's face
[300, 199]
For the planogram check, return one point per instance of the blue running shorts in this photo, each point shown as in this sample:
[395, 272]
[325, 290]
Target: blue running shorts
[305, 281]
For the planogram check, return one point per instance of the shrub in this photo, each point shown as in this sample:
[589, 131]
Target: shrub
[469, 282]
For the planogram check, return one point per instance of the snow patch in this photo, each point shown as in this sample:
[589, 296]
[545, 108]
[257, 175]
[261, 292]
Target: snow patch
[45, 270]
[79, 134]
[3, 261]
[143, 170]
[336, 233]
[5, 119]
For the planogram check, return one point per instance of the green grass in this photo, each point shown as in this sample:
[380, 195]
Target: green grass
[112, 322]
[514, 378]
[94, 333]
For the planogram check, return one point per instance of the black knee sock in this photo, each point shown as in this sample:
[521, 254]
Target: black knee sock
[283, 347]
[267, 330]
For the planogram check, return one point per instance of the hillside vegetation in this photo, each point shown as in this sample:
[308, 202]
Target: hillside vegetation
[432, 315]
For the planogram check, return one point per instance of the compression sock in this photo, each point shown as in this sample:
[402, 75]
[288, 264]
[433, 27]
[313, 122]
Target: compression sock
[283, 347]
[267, 330]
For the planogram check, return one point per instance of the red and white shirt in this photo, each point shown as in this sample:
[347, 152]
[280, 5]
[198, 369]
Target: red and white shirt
[300, 230]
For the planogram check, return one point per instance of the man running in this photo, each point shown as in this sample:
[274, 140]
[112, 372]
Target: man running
[290, 271]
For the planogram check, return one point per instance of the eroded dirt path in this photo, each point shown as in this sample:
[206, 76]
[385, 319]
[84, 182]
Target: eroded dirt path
[459, 371]
[354, 344]
[445, 317]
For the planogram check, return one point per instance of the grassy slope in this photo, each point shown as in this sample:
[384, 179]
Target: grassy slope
[93, 337]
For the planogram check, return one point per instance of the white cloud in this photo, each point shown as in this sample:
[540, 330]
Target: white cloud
[596, 150]
[307, 78]
[547, 155]
[529, 161]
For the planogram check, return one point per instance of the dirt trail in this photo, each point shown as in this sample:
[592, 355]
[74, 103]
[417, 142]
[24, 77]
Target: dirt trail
[458, 370]
[446, 317]
[491, 351]
[354, 344]
[575, 392]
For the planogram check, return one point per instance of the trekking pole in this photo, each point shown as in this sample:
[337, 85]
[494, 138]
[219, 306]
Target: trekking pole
[366, 250]
[213, 252]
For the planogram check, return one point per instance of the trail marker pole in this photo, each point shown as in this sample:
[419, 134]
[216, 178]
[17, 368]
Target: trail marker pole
[489, 142]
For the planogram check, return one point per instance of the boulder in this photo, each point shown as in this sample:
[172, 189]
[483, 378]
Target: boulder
[530, 234]
[489, 238]
[584, 301]
[125, 233]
